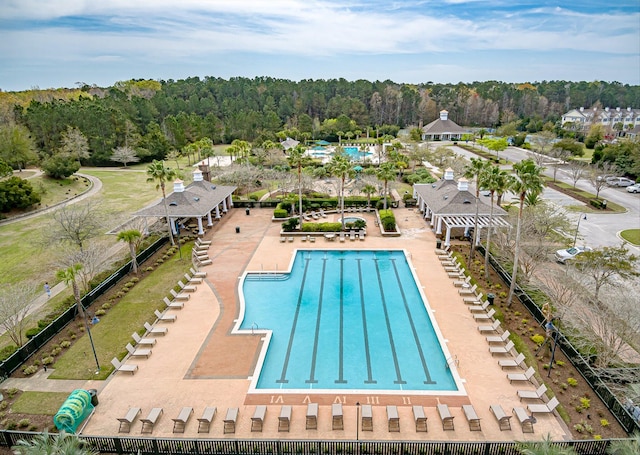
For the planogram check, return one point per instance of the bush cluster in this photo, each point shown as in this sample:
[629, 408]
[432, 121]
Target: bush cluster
[388, 220]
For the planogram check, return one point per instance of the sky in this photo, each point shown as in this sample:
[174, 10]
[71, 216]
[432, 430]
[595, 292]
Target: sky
[65, 43]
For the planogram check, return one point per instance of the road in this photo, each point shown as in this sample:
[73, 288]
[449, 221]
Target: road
[598, 229]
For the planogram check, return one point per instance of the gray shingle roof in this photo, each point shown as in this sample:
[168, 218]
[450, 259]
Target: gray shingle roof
[444, 198]
[198, 199]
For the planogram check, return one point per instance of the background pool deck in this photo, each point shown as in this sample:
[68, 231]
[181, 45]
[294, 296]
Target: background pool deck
[199, 363]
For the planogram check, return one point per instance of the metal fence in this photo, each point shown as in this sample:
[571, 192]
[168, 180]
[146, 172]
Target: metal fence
[622, 415]
[152, 446]
[11, 364]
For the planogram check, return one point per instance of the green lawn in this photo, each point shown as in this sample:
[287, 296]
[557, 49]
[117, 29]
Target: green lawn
[114, 330]
[632, 236]
[40, 403]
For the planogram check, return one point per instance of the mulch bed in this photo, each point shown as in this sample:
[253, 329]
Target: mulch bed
[589, 417]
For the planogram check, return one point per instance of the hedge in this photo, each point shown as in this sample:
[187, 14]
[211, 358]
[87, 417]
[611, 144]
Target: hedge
[321, 227]
[388, 220]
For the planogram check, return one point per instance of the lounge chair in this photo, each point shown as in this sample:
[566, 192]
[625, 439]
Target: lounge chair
[504, 420]
[532, 394]
[468, 291]
[200, 249]
[473, 301]
[312, 416]
[315, 216]
[142, 341]
[512, 363]
[445, 417]
[230, 420]
[352, 236]
[502, 349]
[284, 419]
[444, 251]
[489, 328]
[459, 274]
[545, 408]
[526, 421]
[290, 239]
[337, 422]
[155, 330]
[124, 367]
[306, 217]
[526, 376]
[199, 241]
[257, 421]
[342, 236]
[127, 420]
[484, 316]
[367, 417]
[322, 214]
[180, 296]
[472, 417]
[420, 418]
[205, 261]
[193, 279]
[362, 234]
[478, 308]
[172, 305]
[453, 268]
[283, 239]
[197, 273]
[393, 421]
[204, 422]
[150, 421]
[140, 352]
[180, 422]
[163, 317]
[499, 339]
[186, 287]
[461, 283]
[312, 239]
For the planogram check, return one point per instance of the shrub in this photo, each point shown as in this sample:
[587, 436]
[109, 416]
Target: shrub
[47, 360]
[129, 284]
[23, 423]
[106, 306]
[537, 339]
[135, 280]
[11, 425]
[149, 269]
[12, 392]
[604, 422]
[7, 351]
[585, 403]
[388, 220]
[55, 351]
[30, 333]
[65, 344]
[572, 382]
[28, 371]
[4, 405]
[100, 313]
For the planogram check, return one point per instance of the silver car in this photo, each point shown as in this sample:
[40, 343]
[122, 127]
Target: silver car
[619, 181]
[562, 256]
[635, 188]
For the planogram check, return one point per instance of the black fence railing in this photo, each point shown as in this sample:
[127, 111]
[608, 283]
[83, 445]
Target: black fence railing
[619, 411]
[179, 446]
[12, 363]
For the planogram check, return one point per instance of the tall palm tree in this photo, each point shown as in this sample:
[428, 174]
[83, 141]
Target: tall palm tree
[340, 166]
[53, 444]
[526, 181]
[494, 180]
[386, 172]
[131, 236]
[544, 447]
[297, 159]
[159, 174]
[476, 170]
[368, 190]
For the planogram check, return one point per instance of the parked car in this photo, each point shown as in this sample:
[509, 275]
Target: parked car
[562, 256]
[619, 181]
[635, 188]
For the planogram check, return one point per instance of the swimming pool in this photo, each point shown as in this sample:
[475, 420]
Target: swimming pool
[345, 320]
[351, 219]
[355, 153]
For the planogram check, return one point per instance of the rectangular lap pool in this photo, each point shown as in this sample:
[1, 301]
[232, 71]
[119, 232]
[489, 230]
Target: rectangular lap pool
[347, 320]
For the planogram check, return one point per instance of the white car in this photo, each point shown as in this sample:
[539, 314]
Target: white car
[562, 256]
[635, 188]
[619, 181]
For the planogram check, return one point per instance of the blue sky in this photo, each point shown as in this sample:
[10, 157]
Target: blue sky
[58, 43]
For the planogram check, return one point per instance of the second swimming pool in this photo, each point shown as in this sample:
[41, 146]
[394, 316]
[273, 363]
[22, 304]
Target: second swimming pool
[345, 320]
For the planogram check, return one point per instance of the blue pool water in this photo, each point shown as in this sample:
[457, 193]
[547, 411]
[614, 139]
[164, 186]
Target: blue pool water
[355, 153]
[345, 320]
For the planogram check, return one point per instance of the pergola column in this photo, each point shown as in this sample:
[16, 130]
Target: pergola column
[447, 240]
[224, 205]
[218, 211]
[200, 231]
[230, 201]
[209, 220]
[173, 226]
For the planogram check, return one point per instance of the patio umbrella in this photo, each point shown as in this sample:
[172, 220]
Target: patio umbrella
[321, 142]
[358, 168]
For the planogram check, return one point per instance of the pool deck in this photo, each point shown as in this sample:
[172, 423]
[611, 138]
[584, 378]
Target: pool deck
[198, 363]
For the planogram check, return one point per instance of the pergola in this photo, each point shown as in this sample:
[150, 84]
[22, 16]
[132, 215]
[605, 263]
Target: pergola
[448, 204]
[198, 200]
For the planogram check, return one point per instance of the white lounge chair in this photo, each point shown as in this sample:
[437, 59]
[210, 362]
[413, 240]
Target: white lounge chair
[526, 421]
[543, 408]
[127, 420]
[489, 328]
[204, 422]
[460, 283]
[468, 291]
[484, 316]
[140, 352]
[163, 317]
[501, 349]
[192, 279]
[124, 367]
[477, 308]
[142, 341]
[186, 287]
[532, 394]
[180, 422]
[173, 305]
[199, 241]
[180, 296]
[499, 339]
[504, 420]
[150, 421]
[512, 363]
[526, 376]
[197, 273]
[155, 330]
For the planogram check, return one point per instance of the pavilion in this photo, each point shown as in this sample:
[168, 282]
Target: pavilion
[198, 201]
[449, 204]
[442, 129]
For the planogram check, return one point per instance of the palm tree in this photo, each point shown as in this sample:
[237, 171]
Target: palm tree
[386, 171]
[544, 447]
[297, 159]
[340, 166]
[527, 180]
[160, 175]
[625, 446]
[54, 444]
[368, 190]
[339, 134]
[475, 170]
[131, 236]
[494, 180]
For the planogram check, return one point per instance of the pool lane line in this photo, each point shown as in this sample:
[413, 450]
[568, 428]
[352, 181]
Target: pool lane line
[427, 374]
[312, 379]
[365, 333]
[283, 377]
[341, 379]
[386, 318]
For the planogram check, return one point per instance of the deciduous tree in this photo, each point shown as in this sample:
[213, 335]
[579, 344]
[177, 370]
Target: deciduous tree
[124, 155]
[15, 302]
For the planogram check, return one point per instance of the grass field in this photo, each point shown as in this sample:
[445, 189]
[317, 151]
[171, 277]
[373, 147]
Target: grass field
[41, 403]
[632, 236]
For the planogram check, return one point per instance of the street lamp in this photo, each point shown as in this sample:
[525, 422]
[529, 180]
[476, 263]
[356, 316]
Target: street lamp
[357, 419]
[93, 347]
[580, 218]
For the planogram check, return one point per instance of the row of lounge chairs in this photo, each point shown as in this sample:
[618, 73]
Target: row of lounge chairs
[482, 313]
[143, 345]
[200, 252]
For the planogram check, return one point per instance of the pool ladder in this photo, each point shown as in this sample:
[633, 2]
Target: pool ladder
[252, 327]
[453, 360]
